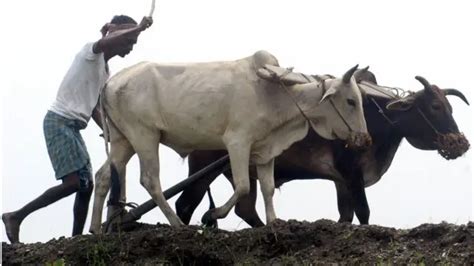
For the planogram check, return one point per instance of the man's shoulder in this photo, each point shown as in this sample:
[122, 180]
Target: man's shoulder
[87, 52]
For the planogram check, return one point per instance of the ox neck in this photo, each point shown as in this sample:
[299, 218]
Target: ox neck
[380, 104]
[298, 96]
[378, 97]
[379, 119]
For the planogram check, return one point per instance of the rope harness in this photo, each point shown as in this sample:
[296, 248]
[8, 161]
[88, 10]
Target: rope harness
[103, 120]
[322, 82]
[380, 111]
[427, 121]
[400, 93]
[107, 226]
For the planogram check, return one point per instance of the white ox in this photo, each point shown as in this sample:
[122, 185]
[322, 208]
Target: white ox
[218, 105]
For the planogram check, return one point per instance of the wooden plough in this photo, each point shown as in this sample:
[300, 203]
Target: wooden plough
[120, 216]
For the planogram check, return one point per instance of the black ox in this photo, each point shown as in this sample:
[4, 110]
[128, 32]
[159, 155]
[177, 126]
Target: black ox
[424, 118]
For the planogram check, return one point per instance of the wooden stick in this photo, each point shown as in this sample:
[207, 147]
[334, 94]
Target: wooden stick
[218, 166]
[152, 8]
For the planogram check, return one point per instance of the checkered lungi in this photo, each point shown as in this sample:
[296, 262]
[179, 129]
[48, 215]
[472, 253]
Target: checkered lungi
[66, 148]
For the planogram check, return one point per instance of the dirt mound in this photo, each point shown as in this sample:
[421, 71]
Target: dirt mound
[291, 242]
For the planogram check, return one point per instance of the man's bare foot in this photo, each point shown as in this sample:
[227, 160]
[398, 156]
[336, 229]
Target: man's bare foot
[12, 227]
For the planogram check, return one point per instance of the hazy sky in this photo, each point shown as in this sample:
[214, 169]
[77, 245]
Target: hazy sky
[398, 39]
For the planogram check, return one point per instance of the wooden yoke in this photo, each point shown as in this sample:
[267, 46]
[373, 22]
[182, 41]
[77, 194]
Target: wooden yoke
[278, 74]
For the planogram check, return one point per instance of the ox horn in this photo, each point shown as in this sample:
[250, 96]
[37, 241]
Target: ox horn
[347, 76]
[455, 93]
[423, 81]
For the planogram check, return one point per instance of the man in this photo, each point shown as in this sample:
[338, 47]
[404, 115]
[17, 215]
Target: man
[76, 102]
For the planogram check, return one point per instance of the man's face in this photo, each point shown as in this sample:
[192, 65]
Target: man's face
[126, 46]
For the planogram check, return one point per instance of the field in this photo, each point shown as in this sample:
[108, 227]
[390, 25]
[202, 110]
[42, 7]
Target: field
[282, 243]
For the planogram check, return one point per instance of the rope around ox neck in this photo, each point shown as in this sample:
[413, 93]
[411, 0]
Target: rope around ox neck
[323, 82]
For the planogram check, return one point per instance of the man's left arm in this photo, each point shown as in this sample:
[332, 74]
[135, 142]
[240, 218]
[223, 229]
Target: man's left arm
[97, 116]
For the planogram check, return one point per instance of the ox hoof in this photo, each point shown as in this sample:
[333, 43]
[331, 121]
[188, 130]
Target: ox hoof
[345, 220]
[277, 223]
[95, 231]
[208, 220]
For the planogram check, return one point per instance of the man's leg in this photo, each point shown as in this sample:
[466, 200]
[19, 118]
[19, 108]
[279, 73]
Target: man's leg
[12, 220]
[81, 206]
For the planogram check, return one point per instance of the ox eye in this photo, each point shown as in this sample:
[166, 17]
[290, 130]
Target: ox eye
[351, 102]
[436, 106]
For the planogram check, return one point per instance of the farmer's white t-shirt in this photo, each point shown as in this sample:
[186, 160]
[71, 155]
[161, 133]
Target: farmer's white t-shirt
[79, 91]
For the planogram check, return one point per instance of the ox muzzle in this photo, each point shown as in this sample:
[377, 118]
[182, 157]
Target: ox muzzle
[358, 141]
[452, 145]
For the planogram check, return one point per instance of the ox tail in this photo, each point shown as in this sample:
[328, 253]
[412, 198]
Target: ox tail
[103, 119]
[212, 205]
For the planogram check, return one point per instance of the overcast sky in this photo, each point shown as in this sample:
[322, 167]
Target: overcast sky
[398, 39]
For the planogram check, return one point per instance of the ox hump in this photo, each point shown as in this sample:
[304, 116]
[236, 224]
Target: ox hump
[262, 58]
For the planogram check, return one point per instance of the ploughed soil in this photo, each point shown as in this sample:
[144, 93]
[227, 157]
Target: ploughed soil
[282, 243]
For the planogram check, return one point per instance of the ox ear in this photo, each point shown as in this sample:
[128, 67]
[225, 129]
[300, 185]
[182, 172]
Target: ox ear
[403, 104]
[331, 91]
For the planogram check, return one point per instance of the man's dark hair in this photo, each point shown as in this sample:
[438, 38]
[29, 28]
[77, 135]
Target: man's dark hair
[122, 19]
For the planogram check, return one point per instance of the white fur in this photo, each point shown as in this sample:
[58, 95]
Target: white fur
[216, 105]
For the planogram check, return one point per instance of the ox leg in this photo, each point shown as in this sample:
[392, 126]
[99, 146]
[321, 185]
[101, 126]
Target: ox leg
[120, 153]
[192, 196]
[147, 150]
[344, 203]
[113, 205]
[361, 206]
[239, 155]
[102, 180]
[245, 208]
[267, 185]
